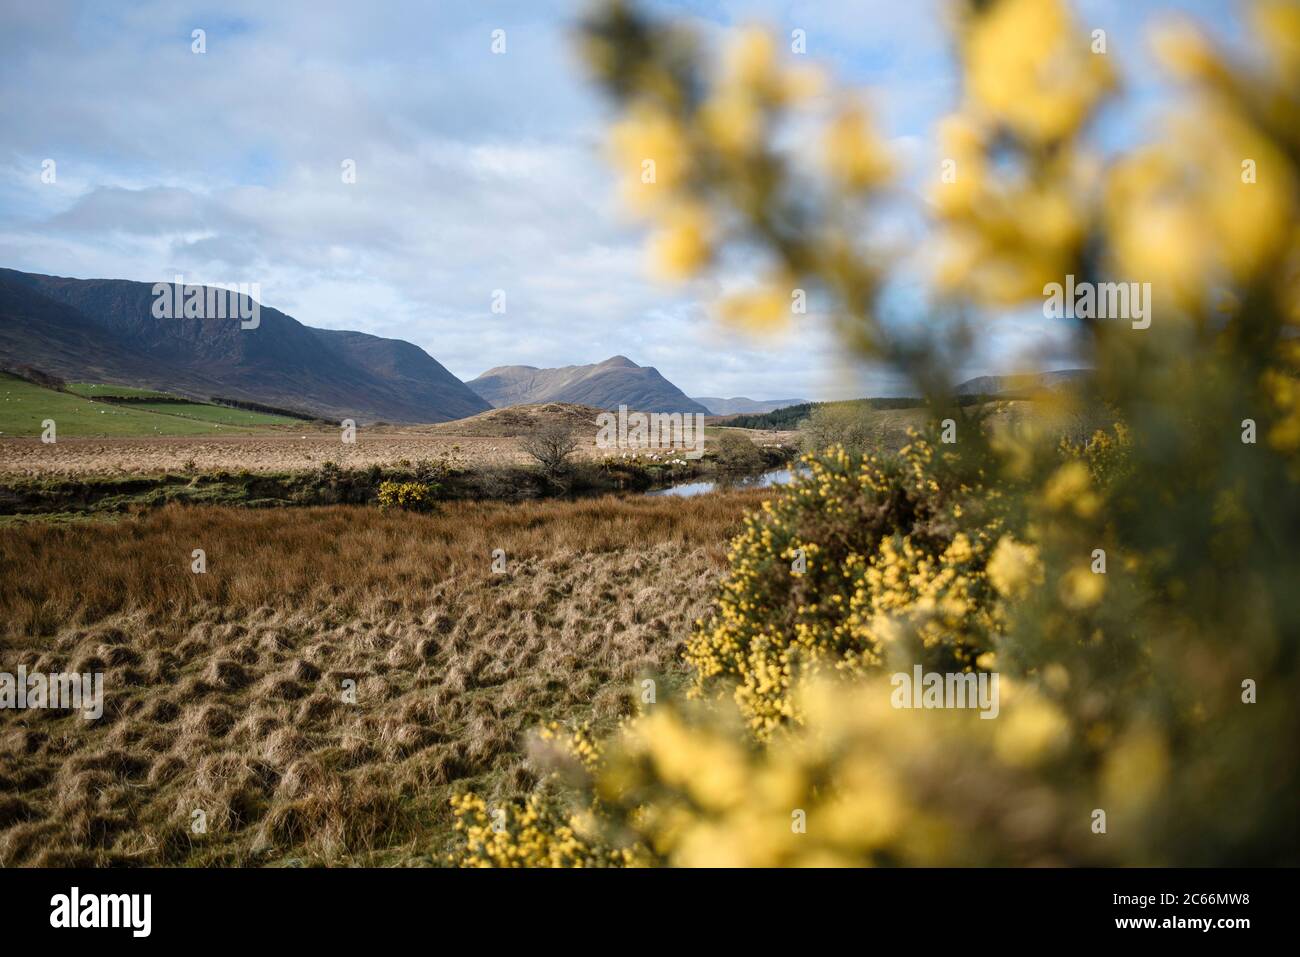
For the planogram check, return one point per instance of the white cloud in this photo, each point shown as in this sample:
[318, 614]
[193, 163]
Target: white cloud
[475, 172]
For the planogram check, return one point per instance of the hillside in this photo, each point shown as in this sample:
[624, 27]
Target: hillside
[971, 392]
[999, 384]
[521, 420]
[24, 406]
[104, 330]
[604, 385]
[790, 416]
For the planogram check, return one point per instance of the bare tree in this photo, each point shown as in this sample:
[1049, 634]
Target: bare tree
[550, 445]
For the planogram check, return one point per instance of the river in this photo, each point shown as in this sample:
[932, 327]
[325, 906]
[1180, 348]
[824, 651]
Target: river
[762, 480]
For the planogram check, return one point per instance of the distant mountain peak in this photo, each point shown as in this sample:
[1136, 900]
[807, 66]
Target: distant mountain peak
[743, 405]
[606, 385]
[619, 362]
[495, 370]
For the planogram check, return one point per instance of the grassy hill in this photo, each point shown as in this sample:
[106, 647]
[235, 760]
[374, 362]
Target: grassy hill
[790, 416]
[516, 420]
[218, 414]
[92, 390]
[25, 405]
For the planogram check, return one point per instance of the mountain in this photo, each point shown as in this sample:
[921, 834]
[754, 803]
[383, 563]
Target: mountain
[998, 384]
[743, 406]
[606, 385]
[104, 330]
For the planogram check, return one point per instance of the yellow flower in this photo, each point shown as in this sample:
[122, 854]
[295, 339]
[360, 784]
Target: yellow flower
[681, 248]
[1014, 567]
[801, 83]
[1277, 27]
[1030, 731]
[1081, 587]
[854, 154]
[960, 186]
[1284, 390]
[1071, 487]
[750, 60]
[1029, 67]
[1136, 769]
[1215, 202]
[651, 151]
[764, 310]
[734, 121]
[1186, 52]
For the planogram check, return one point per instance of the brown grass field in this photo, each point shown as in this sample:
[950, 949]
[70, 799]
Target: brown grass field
[278, 452]
[223, 691]
[490, 439]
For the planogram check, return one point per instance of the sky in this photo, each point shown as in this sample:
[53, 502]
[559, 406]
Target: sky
[475, 171]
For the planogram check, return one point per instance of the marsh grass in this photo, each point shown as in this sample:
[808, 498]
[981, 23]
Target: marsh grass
[224, 690]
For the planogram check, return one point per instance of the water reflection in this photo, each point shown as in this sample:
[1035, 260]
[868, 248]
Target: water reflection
[762, 480]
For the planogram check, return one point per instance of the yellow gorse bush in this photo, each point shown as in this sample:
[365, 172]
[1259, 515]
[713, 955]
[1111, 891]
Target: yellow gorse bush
[409, 495]
[534, 835]
[544, 830]
[860, 560]
[1134, 589]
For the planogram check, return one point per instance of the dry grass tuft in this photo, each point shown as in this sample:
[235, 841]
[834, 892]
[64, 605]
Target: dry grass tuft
[334, 676]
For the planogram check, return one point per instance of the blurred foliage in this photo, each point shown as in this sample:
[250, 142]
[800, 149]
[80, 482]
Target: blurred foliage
[1124, 691]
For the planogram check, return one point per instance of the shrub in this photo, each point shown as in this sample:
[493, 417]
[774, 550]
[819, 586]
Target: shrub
[735, 453]
[544, 829]
[536, 832]
[413, 496]
[843, 424]
[433, 472]
[859, 558]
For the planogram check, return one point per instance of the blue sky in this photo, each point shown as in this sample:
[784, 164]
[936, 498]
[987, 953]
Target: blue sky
[475, 172]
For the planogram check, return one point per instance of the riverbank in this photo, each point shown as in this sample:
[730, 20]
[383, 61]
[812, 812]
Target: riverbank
[61, 497]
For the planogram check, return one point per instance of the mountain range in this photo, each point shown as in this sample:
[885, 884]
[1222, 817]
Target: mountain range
[743, 406]
[104, 330]
[999, 384]
[107, 331]
[606, 385]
